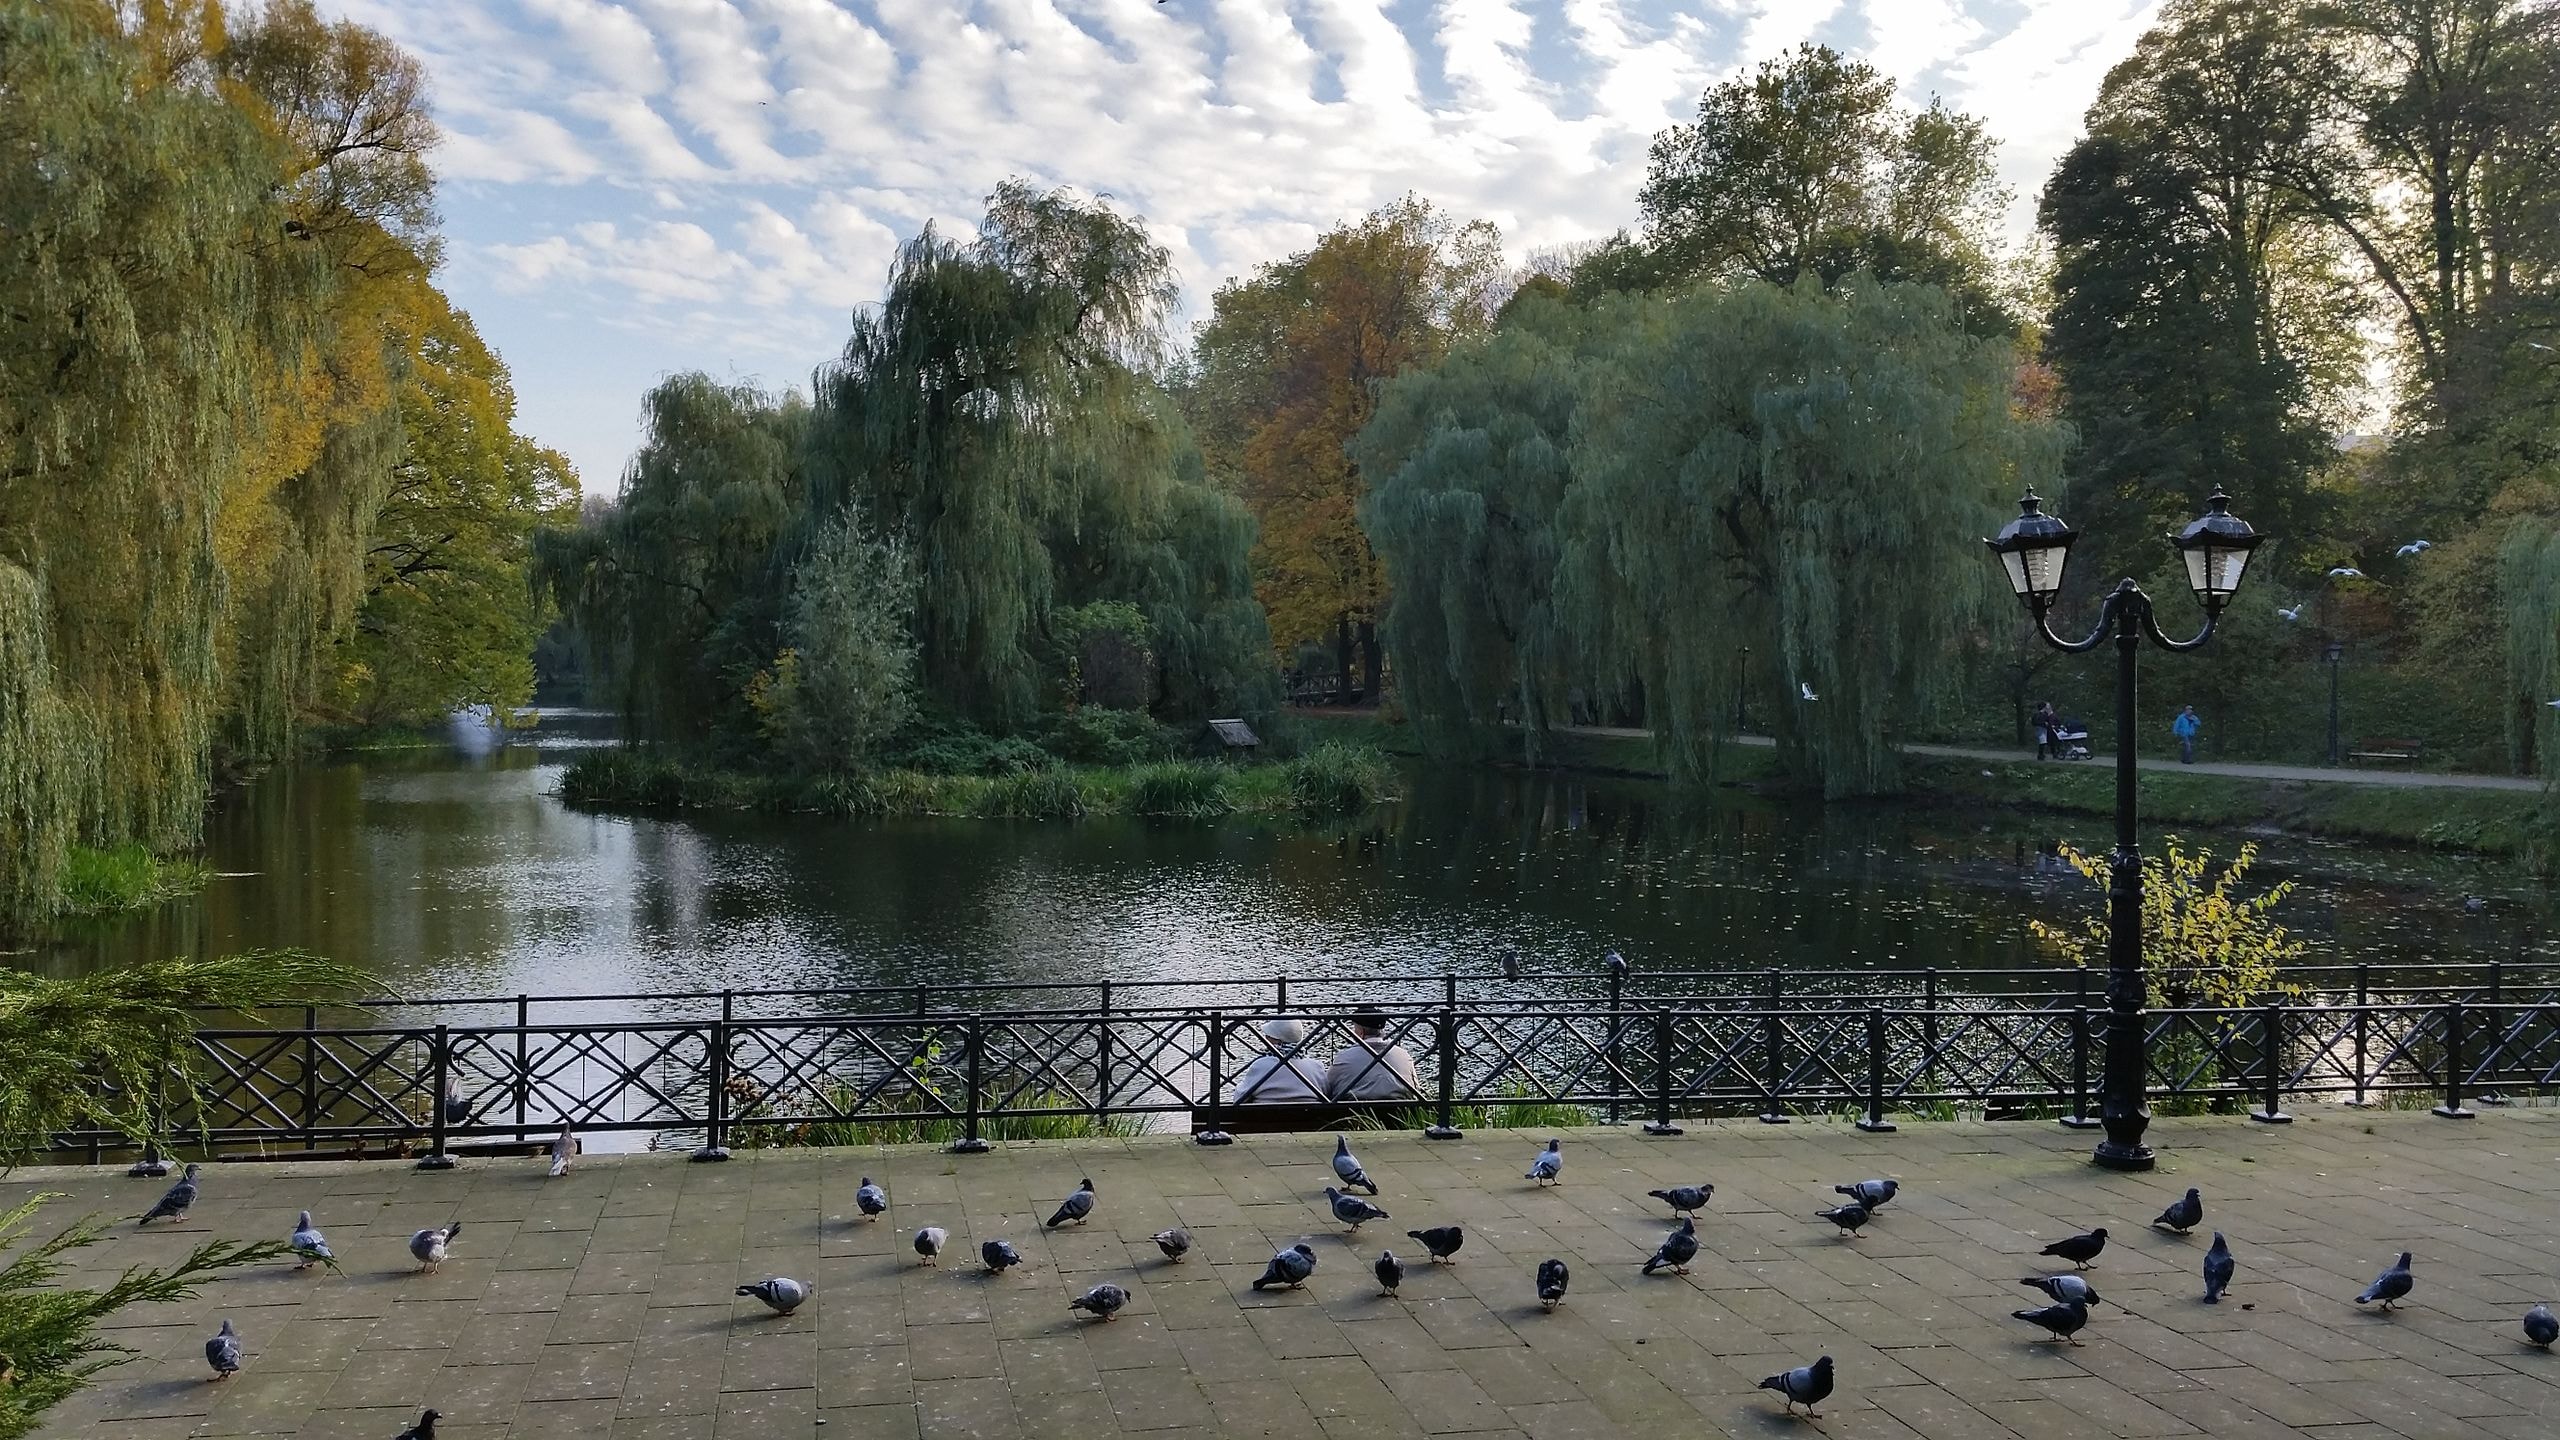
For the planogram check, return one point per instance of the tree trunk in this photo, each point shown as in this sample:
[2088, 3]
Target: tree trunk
[1342, 660]
[1372, 684]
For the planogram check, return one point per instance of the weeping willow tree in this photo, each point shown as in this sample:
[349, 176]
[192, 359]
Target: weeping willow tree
[2529, 579]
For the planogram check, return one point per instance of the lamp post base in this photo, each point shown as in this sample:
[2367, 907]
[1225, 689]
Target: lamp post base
[2112, 1156]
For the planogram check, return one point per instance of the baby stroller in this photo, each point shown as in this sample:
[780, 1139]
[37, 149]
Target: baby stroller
[2069, 739]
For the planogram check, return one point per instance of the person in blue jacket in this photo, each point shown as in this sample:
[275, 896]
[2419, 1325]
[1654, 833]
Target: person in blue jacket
[2186, 727]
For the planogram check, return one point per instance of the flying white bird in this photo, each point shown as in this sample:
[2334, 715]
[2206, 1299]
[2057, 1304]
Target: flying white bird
[2554, 704]
[2289, 615]
[2415, 547]
[2346, 572]
[1805, 688]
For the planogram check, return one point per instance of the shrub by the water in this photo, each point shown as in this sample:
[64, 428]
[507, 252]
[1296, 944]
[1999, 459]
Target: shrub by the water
[1097, 735]
[1179, 787]
[1338, 779]
[126, 877]
[1032, 795]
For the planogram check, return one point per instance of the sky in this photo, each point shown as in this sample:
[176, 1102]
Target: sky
[632, 188]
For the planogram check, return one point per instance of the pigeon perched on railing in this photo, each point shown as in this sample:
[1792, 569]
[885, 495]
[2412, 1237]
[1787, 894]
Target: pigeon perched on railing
[429, 1246]
[2078, 1249]
[1805, 1385]
[1351, 1210]
[1443, 1241]
[870, 1199]
[1288, 1269]
[2064, 1289]
[2062, 1320]
[1348, 1168]
[1549, 1164]
[2183, 1214]
[1175, 1243]
[1678, 1249]
[1685, 1199]
[180, 1198]
[1076, 1206]
[1873, 1194]
[222, 1352]
[1848, 1217]
[1391, 1273]
[1552, 1278]
[929, 1243]
[309, 1246]
[1104, 1300]
[2218, 1266]
[2391, 1285]
[781, 1294]
[999, 1256]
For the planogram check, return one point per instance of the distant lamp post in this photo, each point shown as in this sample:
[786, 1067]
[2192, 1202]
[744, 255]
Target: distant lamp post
[2033, 549]
[2332, 653]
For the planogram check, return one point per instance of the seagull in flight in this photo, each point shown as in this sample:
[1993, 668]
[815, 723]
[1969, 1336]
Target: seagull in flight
[1805, 687]
[2415, 547]
[2293, 614]
[2345, 572]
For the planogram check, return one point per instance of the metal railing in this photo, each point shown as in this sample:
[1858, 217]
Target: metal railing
[735, 1073]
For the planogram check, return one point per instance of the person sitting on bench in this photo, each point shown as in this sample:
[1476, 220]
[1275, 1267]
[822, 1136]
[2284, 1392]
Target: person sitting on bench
[1280, 1077]
[1371, 1068]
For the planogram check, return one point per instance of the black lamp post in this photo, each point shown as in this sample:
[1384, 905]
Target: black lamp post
[2033, 548]
[2333, 652]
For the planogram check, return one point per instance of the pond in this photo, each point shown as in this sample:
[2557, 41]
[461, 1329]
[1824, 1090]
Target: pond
[457, 872]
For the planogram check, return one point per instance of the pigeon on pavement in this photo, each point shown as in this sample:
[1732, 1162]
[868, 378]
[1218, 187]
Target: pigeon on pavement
[1175, 1243]
[781, 1294]
[222, 1352]
[870, 1199]
[2217, 1269]
[457, 1110]
[1874, 1194]
[1391, 1273]
[175, 1204]
[999, 1256]
[1548, 1165]
[2078, 1249]
[1805, 1385]
[1351, 1210]
[1848, 1217]
[2391, 1285]
[2064, 1289]
[310, 1247]
[1678, 1249]
[2184, 1214]
[929, 1243]
[1289, 1268]
[1104, 1300]
[563, 1150]
[430, 1245]
[1442, 1241]
[1552, 1277]
[2063, 1320]
[2541, 1326]
[1076, 1206]
[1347, 1168]
[425, 1429]
[1685, 1199]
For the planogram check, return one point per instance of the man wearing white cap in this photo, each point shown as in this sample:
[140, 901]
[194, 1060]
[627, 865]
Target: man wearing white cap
[1280, 1077]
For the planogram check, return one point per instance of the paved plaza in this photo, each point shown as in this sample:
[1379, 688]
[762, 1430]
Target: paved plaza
[601, 1304]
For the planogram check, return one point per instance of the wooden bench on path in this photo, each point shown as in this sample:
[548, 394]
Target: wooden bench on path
[2409, 750]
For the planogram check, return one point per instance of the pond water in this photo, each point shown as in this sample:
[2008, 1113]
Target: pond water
[457, 872]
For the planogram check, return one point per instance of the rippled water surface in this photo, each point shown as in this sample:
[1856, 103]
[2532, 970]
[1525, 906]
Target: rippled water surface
[450, 872]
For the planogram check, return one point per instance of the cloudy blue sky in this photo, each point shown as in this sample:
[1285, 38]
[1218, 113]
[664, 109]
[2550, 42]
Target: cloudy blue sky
[633, 187]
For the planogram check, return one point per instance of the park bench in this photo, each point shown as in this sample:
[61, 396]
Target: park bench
[2409, 750]
[1281, 1119]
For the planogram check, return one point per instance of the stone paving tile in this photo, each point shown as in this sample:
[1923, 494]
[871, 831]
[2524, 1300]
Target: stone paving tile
[601, 1304]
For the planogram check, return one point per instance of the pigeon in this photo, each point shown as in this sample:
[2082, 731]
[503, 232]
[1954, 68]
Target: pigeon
[2064, 1289]
[1805, 1385]
[1848, 1217]
[1104, 1300]
[2474, 904]
[175, 1204]
[2415, 547]
[2554, 704]
[1351, 1210]
[1685, 1199]
[929, 1243]
[1678, 1249]
[430, 1245]
[1442, 1241]
[310, 1247]
[222, 1352]
[2182, 1215]
[152, 1166]
[1551, 1282]
[1175, 1243]
[2540, 1326]
[781, 1294]
[563, 1150]
[999, 1256]
[2392, 1284]
[425, 1429]
[1548, 1165]
[2292, 616]
[2063, 1320]
[1510, 964]
[2079, 1249]
[2345, 572]
[1874, 1194]
[1288, 1269]
[1348, 1169]
[870, 1199]
[1075, 1207]
[457, 1111]
[2217, 1269]
[1391, 1273]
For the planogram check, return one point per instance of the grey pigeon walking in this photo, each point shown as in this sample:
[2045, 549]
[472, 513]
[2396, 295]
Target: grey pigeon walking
[781, 1294]
[1685, 1199]
[1552, 1278]
[1391, 1273]
[2063, 1321]
[180, 1198]
[2064, 1289]
[425, 1429]
[870, 1199]
[1076, 1206]
[429, 1246]
[999, 1256]
[929, 1243]
[2078, 1249]
[564, 1148]
[1104, 1300]
[310, 1247]
[457, 1111]
[2217, 1269]
[1677, 1250]
[222, 1352]
[1848, 1217]
[2541, 1326]
[1442, 1241]
[1175, 1243]
[1347, 1169]
[1549, 1164]
[1288, 1269]
[2389, 1286]
[1874, 1194]
[1805, 1385]
[2184, 1214]
[1351, 1210]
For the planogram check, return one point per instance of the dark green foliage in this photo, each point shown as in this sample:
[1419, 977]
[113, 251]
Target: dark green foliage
[1339, 779]
[1031, 795]
[1191, 788]
[1092, 735]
